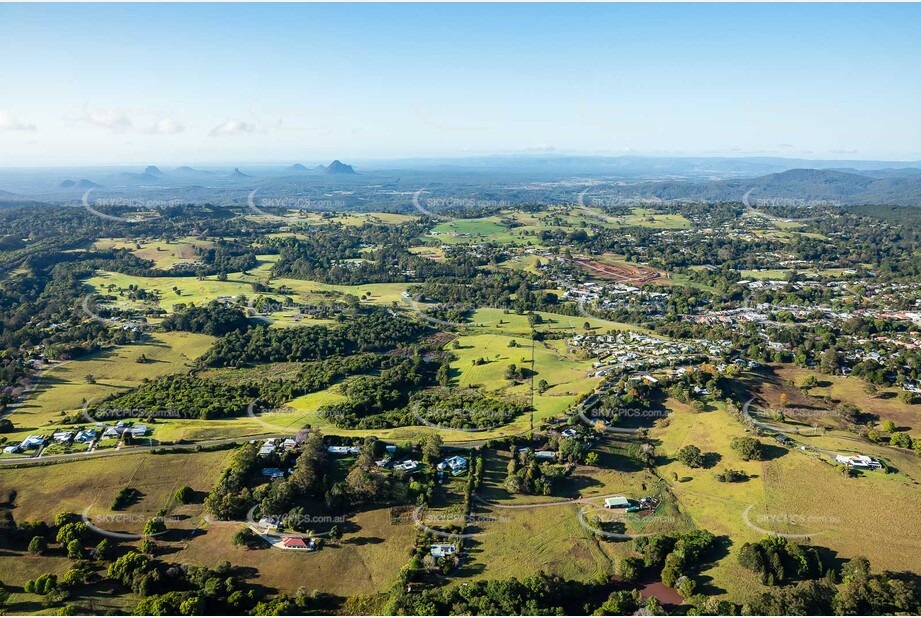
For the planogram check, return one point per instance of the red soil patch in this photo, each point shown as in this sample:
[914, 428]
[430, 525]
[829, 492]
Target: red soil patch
[620, 272]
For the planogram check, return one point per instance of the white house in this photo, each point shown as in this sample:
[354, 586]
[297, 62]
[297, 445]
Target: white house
[440, 550]
[859, 461]
[32, 442]
[456, 464]
[408, 465]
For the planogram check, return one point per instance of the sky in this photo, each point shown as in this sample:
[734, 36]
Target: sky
[219, 83]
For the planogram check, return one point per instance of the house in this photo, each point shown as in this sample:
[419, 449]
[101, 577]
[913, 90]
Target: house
[440, 550]
[545, 455]
[268, 447]
[272, 473]
[859, 461]
[457, 465]
[85, 435]
[62, 437]
[408, 465]
[289, 444]
[32, 442]
[616, 502]
[9, 450]
[343, 450]
[296, 542]
[569, 433]
[269, 524]
[138, 431]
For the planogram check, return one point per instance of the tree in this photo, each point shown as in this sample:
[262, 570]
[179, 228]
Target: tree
[783, 400]
[103, 549]
[75, 531]
[4, 595]
[542, 386]
[748, 448]
[830, 361]
[75, 550]
[38, 545]
[889, 426]
[154, 526]
[184, 494]
[431, 447]
[691, 456]
[592, 459]
[631, 568]
[900, 439]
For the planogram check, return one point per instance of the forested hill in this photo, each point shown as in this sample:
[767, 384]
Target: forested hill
[797, 184]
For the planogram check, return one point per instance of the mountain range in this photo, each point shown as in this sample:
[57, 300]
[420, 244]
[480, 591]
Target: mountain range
[895, 187]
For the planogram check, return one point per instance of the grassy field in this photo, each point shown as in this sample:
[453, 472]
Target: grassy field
[366, 560]
[547, 529]
[162, 253]
[568, 377]
[791, 492]
[191, 290]
[885, 405]
[64, 387]
[515, 227]
[90, 486]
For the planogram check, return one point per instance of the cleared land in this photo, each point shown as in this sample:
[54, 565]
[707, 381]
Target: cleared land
[63, 388]
[366, 560]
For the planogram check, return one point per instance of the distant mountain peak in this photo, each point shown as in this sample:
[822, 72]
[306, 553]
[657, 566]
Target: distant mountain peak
[238, 174]
[153, 170]
[298, 167]
[338, 167]
[83, 183]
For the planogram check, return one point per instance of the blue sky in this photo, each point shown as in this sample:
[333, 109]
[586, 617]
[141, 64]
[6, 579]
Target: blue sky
[216, 83]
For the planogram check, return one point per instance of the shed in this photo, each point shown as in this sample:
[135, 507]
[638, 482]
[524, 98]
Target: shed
[616, 502]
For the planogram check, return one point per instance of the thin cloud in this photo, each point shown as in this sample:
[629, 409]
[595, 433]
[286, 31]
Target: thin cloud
[111, 119]
[8, 122]
[232, 127]
[166, 126]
